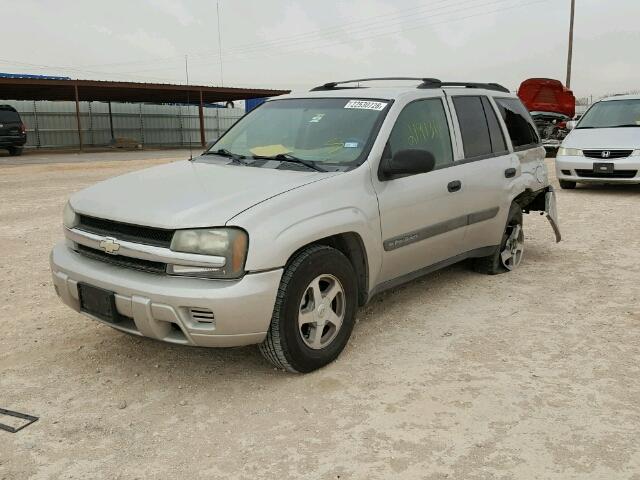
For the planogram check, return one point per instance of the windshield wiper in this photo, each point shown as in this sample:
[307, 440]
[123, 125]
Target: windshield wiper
[287, 157]
[223, 152]
[626, 125]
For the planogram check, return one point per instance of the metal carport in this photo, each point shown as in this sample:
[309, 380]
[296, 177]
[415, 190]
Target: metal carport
[106, 91]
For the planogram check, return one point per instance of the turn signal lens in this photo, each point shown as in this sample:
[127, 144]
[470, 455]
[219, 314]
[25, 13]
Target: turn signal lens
[69, 217]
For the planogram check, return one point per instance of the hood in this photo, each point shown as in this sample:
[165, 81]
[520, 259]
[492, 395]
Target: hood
[187, 194]
[604, 138]
[547, 95]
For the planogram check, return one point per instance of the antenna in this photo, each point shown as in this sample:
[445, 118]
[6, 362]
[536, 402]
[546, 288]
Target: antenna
[219, 43]
[186, 71]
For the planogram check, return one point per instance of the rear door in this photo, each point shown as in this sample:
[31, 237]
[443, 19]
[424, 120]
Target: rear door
[9, 123]
[488, 169]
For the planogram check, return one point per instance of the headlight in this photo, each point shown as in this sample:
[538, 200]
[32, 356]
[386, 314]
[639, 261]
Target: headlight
[570, 152]
[230, 243]
[69, 217]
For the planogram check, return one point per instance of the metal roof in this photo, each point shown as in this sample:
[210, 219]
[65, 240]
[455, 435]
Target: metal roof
[106, 91]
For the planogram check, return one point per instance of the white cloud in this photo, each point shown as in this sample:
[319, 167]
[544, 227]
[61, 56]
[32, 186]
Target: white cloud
[174, 8]
[150, 43]
[102, 29]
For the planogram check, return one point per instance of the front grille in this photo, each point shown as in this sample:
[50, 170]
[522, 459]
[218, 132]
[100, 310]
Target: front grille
[121, 261]
[125, 231]
[614, 174]
[612, 153]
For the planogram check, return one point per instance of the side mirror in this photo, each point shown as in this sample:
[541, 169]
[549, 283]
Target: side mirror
[571, 124]
[407, 162]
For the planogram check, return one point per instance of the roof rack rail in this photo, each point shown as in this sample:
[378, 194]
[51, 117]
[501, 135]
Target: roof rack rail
[333, 85]
[486, 86]
[426, 83]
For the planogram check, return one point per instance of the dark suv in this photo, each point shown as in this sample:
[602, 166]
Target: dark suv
[13, 133]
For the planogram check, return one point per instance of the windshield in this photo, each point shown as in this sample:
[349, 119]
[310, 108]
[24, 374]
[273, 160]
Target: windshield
[611, 114]
[325, 131]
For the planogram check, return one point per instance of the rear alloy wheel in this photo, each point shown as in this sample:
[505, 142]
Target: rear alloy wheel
[314, 311]
[509, 255]
[567, 184]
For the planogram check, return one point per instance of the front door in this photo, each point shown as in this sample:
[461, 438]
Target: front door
[422, 216]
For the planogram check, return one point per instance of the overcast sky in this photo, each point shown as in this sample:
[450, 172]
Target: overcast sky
[298, 44]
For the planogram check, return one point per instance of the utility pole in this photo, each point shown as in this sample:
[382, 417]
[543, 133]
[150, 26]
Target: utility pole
[570, 55]
[219, 42]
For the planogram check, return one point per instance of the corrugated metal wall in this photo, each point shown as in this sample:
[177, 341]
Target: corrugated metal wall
[53, 124]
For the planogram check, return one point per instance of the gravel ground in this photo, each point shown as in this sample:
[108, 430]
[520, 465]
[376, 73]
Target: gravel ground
[528, 375]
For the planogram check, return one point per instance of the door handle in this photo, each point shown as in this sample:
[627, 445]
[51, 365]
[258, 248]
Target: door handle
[510, 173]
[454, 186]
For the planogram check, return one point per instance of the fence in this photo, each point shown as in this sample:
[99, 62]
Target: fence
[54, 124]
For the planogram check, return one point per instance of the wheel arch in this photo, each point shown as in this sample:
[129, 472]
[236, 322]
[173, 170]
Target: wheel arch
[351, 245]
[531, 200]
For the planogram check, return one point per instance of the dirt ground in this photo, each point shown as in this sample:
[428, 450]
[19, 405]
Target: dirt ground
[528, 375]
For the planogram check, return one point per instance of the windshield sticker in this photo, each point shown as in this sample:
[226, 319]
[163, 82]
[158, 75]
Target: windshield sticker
[350, 144]
[316, 118]
[365, 105]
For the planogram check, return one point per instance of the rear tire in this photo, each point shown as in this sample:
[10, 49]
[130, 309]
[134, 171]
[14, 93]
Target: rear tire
[495, 264]
[567, 184]
[15, 151]
[314, 312]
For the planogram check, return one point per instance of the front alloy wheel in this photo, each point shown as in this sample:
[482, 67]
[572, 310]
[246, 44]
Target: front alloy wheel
[314, 311]
[321, 311]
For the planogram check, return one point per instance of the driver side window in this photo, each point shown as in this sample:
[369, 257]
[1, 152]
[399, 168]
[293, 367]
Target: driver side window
[422, 125]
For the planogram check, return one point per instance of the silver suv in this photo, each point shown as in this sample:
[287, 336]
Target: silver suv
[305, 209]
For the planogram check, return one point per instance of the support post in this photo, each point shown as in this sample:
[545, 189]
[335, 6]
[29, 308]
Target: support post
[201, 113]
[113, 137]
[78, 116]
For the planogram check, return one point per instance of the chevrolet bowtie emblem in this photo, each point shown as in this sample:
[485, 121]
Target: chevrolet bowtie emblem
[110, 245]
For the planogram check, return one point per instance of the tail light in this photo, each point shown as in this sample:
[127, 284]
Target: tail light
[23, 128]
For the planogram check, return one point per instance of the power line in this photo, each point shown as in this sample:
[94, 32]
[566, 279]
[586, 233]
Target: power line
[288, 38]
[378, 33]
[418, 24]
[391, 28]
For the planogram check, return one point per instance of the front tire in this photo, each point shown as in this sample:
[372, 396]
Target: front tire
[509, 255]
[314, 312]
[567, 184]
[15, 151]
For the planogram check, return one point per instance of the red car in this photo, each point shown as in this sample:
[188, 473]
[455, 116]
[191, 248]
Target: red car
[551, 105]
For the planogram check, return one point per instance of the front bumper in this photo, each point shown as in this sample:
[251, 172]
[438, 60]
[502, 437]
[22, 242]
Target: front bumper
[160, 306]
[567, 168]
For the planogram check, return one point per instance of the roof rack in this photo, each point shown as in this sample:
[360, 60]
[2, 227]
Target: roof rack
[426, 83]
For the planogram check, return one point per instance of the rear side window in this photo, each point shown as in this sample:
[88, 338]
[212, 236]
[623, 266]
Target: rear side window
[521, 128]
[422, 125]
[473, 126]
[9, 116]
[498, 145]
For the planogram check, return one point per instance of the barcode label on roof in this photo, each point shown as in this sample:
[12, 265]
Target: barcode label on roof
[365, 105]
